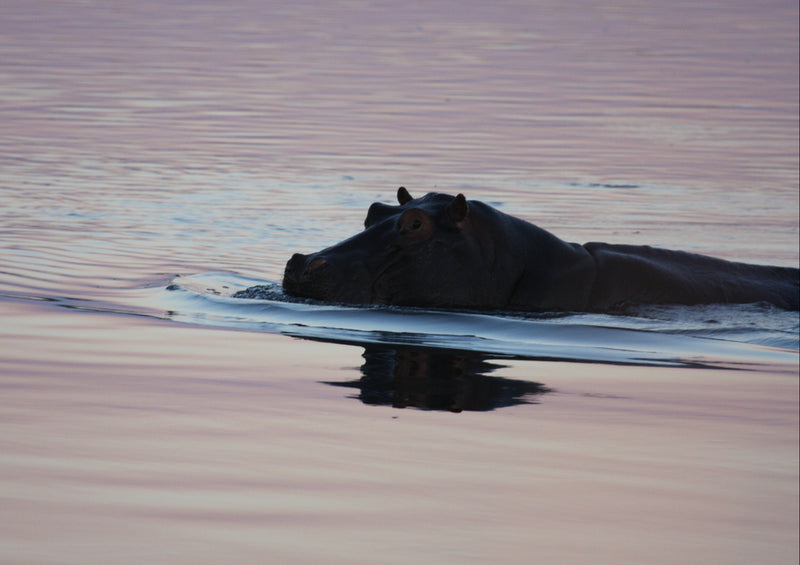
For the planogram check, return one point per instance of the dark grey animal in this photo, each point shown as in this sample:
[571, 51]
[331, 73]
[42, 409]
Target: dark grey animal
[445, 251]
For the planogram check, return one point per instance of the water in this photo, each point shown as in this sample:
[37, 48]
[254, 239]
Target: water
[156, 158]
[670, 335]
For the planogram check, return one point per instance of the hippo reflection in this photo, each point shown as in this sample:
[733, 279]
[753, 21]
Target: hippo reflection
[445, 251]
[437, 379]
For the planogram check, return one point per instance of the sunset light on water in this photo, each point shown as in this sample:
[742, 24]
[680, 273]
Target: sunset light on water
[156, 158]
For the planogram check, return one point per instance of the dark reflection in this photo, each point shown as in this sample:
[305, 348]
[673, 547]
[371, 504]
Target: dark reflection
[436, 379]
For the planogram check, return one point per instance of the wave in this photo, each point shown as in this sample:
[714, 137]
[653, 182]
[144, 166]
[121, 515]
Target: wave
[714, 336]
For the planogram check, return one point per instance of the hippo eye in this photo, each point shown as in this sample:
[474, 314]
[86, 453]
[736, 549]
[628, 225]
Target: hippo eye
[414, 224]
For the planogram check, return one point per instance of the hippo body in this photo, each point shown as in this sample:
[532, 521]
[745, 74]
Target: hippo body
[445, 251]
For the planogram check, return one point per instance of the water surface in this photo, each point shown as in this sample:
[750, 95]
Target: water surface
[155, 158]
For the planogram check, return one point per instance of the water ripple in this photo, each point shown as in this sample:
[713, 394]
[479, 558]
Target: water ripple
[707, 336]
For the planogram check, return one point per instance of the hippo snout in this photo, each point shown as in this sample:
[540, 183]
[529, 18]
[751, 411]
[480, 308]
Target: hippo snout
[305, 276]
[328, 278]
[294, 268]
[302, 266]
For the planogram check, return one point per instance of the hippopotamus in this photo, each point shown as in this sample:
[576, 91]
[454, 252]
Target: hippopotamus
[449, 252]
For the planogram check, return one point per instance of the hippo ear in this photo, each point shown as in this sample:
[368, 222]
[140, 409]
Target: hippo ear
[457, 209]
[403, 196]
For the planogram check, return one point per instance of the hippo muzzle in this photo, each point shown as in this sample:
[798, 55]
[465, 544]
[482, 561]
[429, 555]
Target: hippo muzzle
[305, 274]
[321, 278]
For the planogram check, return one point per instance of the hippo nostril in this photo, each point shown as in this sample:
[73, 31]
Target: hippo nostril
[315, 264]
[297, 261]
[295, 265]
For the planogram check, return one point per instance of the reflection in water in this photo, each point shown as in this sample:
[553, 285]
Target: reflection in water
[437, 379]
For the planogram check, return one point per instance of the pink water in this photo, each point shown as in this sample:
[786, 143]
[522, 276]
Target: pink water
[139, 141]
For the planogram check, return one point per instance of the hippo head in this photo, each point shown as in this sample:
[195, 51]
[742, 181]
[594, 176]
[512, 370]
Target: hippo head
[424, 252]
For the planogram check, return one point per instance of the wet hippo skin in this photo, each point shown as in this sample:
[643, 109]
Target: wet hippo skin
[445, 251]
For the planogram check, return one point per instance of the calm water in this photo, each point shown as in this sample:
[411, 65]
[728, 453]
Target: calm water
[155, 158]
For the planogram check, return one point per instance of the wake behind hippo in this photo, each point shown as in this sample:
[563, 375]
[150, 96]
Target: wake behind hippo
[445, 251]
